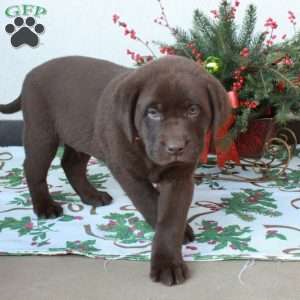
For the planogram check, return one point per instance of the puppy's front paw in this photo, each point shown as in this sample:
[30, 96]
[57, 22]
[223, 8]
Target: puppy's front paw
[97, 199]
[169, 273]
[48, 210]
[188, 235]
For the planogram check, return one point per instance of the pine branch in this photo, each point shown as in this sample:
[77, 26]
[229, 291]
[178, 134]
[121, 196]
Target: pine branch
[285, 78]
[248, 27]
[181, 36]
[203, 26]
[257, 43]
[226, 27]
[267, 75]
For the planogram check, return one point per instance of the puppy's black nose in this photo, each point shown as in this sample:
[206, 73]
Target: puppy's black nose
[175, 148]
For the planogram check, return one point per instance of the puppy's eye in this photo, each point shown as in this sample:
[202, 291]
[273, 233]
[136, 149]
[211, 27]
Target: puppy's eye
[154, 113]
[193, 111]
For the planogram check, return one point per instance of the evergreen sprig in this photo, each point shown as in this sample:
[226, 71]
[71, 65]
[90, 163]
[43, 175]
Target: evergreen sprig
[271, 72]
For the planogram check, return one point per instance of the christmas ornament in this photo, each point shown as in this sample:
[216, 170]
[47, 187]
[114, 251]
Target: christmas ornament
[213, 64]
[233, 99]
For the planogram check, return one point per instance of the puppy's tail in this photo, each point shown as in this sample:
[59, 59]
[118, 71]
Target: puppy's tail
[11, 107]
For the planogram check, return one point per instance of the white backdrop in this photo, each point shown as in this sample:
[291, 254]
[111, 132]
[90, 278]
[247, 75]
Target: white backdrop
[86, 28]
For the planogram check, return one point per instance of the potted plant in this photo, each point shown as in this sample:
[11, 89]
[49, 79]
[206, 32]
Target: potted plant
[260, 70]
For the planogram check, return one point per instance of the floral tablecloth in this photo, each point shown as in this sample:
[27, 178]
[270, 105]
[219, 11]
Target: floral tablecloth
[231, 220]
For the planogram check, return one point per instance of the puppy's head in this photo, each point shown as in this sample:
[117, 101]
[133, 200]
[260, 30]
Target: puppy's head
[170, 104]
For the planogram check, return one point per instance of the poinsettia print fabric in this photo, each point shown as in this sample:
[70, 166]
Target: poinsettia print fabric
[231, 220]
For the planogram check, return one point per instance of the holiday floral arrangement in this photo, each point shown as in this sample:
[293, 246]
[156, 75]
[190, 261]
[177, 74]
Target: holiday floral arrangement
[261, 71]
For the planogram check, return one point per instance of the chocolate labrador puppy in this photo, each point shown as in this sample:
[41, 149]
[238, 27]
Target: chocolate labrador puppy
[147, 124]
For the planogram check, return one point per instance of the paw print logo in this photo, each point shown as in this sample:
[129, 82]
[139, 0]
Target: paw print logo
[24, 32]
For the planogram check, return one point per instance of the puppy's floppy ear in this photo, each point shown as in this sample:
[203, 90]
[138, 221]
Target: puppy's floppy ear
[219, 103]
[127, 96]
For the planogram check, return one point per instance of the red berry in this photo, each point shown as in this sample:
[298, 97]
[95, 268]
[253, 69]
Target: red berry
[133, 34]
[219, 228]
[115, 18]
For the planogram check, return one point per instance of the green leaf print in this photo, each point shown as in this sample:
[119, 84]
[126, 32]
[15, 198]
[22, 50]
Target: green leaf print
[97, 180]
[274, 234]
[68, 218]
[126, 228]
[222, 237]
[288, 180]
[26, 226]
[85, 247]
[82, 246]
[14, 178]
[22, 200]
[65, 197]
[60, 152]
[248, 202]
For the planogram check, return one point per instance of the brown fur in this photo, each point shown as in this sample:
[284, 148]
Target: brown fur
[147, 124]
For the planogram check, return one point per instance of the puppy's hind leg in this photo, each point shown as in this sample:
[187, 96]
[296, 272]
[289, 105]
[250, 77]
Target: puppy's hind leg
[39, 155]
[74, 164]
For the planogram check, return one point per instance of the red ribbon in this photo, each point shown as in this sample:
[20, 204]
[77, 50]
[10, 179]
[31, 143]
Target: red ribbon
[230, 153]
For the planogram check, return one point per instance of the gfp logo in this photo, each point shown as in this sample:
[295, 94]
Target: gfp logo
[25, 30]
